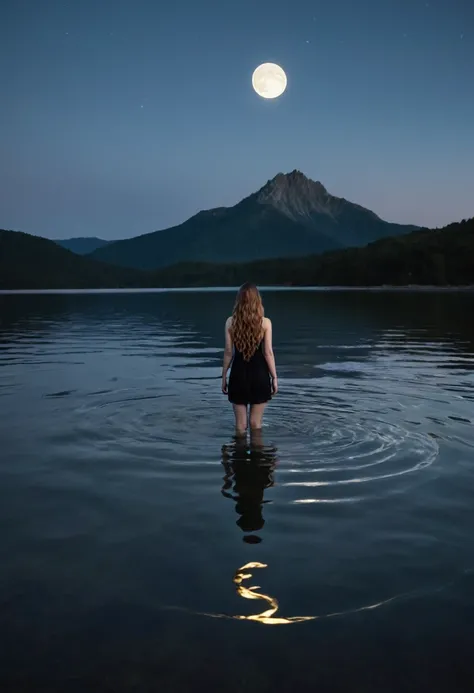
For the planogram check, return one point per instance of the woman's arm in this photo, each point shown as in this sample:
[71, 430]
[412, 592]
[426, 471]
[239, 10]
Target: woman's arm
[228, 352]
[268, 353]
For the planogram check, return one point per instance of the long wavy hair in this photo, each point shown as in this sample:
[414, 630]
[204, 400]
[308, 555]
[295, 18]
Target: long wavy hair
[247, 320]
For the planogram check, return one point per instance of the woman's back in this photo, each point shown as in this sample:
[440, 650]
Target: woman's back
[249, 381]
[249, 354]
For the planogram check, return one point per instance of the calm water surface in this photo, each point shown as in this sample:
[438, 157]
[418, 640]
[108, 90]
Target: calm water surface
[129, 514]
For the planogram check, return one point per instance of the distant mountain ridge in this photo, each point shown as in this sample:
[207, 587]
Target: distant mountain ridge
[32, 262]
[290, 216]
[82, 245]
[443, 257]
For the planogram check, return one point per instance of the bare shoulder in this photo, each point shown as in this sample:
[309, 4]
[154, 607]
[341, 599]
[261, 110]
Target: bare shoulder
[228, 322]
[267, 323]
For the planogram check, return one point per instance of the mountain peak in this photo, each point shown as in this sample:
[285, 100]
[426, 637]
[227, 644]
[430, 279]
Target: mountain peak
[295, 195]
[296, 180]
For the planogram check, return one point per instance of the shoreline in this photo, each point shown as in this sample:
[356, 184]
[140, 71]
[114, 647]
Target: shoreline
[416, 288]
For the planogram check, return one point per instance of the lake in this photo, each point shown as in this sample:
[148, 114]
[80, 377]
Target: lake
[134, 528]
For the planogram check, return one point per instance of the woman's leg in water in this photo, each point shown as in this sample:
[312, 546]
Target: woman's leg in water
[256, 439]
[256, 415]
[240, 413]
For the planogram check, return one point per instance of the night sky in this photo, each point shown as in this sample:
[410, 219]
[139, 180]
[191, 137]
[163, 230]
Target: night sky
[121, 117]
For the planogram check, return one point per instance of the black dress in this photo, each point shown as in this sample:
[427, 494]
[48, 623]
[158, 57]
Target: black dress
[249, 381]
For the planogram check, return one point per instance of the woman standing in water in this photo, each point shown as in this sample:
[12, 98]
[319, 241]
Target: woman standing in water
[248, 347]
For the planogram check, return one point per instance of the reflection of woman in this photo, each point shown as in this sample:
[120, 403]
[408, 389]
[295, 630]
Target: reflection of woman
[248, 346]
[249, 468]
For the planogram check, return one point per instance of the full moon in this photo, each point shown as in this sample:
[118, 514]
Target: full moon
[269, 80]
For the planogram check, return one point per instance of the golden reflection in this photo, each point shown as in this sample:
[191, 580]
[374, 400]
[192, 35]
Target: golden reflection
[267, 616]
[249, 466]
